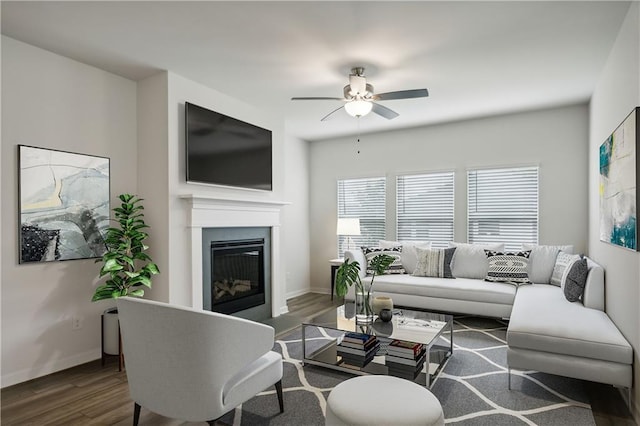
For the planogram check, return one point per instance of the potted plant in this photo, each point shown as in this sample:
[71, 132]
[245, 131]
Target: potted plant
[348, 274]
[127, 267]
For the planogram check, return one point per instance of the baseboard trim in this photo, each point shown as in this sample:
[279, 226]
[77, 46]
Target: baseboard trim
[321, 290]
[48, 368]
[297, 293]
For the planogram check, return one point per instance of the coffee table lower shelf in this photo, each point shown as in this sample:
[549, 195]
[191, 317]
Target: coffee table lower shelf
[327, 356]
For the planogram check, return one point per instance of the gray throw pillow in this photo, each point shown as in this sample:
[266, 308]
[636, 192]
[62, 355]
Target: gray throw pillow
[434, 262]
[576, 280]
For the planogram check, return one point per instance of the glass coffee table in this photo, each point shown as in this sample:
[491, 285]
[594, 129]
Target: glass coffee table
[324, 344]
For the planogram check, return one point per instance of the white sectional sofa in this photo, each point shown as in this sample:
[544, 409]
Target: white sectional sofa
[546, 332]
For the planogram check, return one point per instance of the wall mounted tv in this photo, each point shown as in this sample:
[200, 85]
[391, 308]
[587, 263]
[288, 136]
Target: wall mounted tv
[223, 150]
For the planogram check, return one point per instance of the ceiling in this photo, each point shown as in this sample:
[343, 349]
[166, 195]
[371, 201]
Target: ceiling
[476, 58]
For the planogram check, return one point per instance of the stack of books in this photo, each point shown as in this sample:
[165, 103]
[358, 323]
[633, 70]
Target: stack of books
[405, 359]
[358, 349]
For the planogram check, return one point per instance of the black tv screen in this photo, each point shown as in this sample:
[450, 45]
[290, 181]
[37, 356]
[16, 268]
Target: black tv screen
[223, 150]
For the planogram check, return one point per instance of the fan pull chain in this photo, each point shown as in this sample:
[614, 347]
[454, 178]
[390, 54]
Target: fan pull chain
[358, 140]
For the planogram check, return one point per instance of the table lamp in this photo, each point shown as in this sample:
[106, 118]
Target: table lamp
[348, 227]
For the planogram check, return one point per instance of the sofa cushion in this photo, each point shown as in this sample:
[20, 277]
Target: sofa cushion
[575, 280]
[563, 261]
[461, 288]
[434, 262]
[508, 267]
[409, 256]
[542, 319]
[469, 261]
[395, 252]
[542, 260]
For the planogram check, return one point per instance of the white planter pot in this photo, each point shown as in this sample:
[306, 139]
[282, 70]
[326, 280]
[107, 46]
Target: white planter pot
[110, 332]
[381, 302]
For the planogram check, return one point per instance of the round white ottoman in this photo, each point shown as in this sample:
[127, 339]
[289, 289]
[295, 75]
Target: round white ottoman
[382, 400]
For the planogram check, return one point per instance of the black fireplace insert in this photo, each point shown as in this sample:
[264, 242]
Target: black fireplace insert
[237, 275]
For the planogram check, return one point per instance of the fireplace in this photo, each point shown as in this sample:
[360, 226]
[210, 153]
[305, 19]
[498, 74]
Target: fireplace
[237, 275]
[212, 218]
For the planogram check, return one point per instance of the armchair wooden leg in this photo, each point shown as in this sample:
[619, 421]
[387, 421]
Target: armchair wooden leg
[136, 414]
[279, 392]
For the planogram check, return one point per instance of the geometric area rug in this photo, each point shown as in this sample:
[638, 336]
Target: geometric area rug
[472, 387]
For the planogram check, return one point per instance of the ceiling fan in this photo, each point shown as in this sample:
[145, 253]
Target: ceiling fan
[359, 97]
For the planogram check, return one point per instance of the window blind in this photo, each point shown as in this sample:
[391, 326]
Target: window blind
[425, 207]
[364, 199]
[503, 206]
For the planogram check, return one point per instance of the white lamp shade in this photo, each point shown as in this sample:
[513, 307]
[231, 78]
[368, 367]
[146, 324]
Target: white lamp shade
[358, 108]
[348, 226]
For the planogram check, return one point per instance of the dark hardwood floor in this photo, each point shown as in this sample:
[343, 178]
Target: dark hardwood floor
[90, 394]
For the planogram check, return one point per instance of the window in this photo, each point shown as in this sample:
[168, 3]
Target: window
[363, 199]
[503, 206]
[425, 207]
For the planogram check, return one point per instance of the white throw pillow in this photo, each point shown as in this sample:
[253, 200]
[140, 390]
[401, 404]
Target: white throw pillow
[542, 261]
[562, 266]
[409, 256]
[470, 260]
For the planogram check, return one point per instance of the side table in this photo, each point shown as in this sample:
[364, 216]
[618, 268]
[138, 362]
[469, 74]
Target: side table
[335, 264]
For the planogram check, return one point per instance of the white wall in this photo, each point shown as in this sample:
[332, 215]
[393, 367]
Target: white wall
[53, 102]
[616, 94]
[556, 140]
[296, 217]
[153, 177]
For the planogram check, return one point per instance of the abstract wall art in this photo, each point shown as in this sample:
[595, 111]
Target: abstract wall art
[64, 205]
[618, 184]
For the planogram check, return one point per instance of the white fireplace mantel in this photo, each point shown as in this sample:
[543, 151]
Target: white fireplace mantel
[217, 212]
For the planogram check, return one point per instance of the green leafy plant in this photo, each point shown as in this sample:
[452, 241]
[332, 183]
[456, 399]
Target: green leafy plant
[125, 263]
[348, 274]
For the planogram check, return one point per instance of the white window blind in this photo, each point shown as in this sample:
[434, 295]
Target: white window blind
[425, 207]
[503, 206]
[363, 199]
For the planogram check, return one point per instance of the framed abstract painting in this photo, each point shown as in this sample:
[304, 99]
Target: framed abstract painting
[64, 205]
[619, 184]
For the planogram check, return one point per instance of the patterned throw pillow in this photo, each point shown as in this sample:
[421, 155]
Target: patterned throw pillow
[395, 252]
[508, 267]
[563, 261]
[575, 280]
[434, 262]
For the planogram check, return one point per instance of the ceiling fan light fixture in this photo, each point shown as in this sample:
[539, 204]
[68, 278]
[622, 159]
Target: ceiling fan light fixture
[358, 107]
[360, 98]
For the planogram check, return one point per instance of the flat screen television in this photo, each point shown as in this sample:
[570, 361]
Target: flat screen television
[223, 150]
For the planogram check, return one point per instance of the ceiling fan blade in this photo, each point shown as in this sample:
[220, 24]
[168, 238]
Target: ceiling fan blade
[326, 117]
[316, 99]
[402, 94]
[387, 113]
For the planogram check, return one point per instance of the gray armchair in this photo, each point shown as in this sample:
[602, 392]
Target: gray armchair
[194, 365]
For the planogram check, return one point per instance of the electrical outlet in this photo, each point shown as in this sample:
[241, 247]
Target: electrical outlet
[77, 322]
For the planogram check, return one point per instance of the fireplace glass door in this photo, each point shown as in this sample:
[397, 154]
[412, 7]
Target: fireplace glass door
[237, 275]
